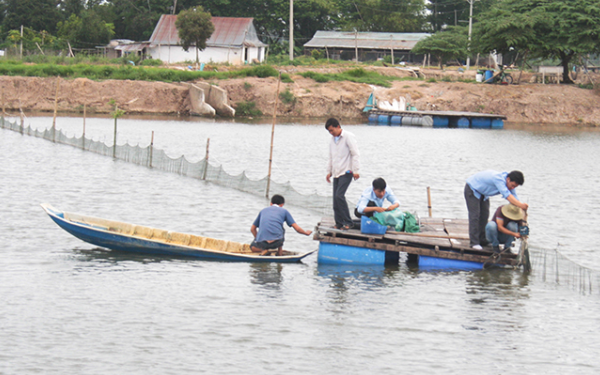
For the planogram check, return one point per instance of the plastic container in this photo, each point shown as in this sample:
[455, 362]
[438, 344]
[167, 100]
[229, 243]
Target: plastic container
[479, 77]
[370, 226]
[396, 120]
[460, 122]
[383, 120]
[372, 119]
[427, 121]
[481, 123]
[497, 123]
[488, 76]
[440, 122]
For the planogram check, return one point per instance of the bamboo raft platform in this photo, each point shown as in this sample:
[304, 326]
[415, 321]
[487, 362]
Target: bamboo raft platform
[445, 241]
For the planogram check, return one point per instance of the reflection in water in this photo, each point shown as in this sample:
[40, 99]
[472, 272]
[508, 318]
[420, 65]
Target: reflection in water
[345, 277]
[266, 274]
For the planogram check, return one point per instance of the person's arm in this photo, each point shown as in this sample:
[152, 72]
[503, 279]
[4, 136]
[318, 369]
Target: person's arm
[503, 229]
[298, 229]
[353, 147]
[373, 209]
[254, 230]
[393, 207]
[392, 199]
[511, 198]
[329, 164]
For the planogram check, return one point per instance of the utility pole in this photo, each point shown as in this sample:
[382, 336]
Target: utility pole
[291, 30]
[174, 6]
[470, 28]
[356, 44]
[21, 46]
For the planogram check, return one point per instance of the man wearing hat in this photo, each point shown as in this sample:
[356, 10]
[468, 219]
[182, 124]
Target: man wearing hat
[504, 226]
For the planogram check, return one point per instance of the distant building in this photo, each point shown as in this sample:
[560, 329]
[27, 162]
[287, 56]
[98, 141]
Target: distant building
[342, 45]
[234, 41]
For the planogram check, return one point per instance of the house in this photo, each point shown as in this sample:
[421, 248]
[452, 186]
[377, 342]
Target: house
[341, 45]
[234, 41]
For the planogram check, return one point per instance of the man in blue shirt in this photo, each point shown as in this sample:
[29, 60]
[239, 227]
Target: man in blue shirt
[268, 230]
[478, 189]
[372, 199]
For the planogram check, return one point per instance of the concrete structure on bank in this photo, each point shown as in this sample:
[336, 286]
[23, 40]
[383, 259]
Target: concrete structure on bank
[208, 100]
[234, 41]
[340, 45]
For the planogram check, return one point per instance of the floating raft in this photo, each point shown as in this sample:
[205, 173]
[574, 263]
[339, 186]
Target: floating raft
[436, 119]
[442, 244]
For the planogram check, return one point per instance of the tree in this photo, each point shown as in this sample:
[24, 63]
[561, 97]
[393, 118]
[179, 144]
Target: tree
[86, 31]
[445, 45]
[35, 14]
[559, 29]
[384, 15]
[194, 27]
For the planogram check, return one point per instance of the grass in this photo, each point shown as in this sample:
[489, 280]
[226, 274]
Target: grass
[357, 75]
[247, 109]
[287, 97]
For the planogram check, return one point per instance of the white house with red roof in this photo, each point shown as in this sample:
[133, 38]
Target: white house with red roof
[234, 41]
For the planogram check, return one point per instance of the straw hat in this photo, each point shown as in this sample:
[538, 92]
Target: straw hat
[513, 212]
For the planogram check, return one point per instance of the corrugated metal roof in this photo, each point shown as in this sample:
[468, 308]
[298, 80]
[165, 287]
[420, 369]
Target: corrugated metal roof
[132, 47]
[365, 40]
[229, 31]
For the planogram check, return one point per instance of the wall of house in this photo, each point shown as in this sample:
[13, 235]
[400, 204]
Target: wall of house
[234, 56]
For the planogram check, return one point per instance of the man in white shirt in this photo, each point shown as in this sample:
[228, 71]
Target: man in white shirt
[373, 197]
[343, 165]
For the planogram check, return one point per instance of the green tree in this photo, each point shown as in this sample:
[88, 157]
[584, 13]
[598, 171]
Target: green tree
[194, 27]
[384, 15]
[85, 32]
[445, 45]
[561, 29]
[34, 14]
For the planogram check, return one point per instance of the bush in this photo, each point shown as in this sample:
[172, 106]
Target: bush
[247, 109]
[287, 97]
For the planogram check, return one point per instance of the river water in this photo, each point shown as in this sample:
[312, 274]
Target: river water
[71, 308]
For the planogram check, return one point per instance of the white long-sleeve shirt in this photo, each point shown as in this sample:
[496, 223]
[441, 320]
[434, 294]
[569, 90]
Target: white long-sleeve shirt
[343, 155]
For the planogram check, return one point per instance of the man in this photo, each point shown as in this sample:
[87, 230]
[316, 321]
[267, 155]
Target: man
[343, 165]
[504, 226]
[268, 229]
[478, 189]
[372, 199]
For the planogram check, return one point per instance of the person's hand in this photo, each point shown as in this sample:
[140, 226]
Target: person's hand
[380, 209]
[524, 206]
[308, 232]
[328, 177]
[356, 176]
[517, 235]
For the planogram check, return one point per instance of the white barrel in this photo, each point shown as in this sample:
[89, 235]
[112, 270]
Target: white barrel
[479, 77]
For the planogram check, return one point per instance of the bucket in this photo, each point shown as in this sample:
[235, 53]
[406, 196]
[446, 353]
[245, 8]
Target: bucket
[479, 77]
[488, 76]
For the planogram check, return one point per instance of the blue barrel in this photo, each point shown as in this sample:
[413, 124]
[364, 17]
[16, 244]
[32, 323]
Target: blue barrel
[497, 123]
[396, 120]
[481, 123]
[488, 76]
[383, 120]
[440, 122]
[459, 122]
[372, 119]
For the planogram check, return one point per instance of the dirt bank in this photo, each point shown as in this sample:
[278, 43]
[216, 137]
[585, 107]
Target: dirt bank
[523, 103]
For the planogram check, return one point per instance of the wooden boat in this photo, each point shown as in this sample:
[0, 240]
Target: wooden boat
[116, 235]
[441, 244]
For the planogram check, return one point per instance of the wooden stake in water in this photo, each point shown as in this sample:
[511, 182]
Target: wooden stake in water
[151, 147]
[273, 136]
[83, 135]
[55, 108]
[429, 200]
[206, 159]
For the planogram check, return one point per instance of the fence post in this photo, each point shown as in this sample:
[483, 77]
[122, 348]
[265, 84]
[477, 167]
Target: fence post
[206, 159]
[151, 148]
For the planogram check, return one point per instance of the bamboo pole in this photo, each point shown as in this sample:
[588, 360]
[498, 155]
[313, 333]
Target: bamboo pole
[429, 200]
[83, 135]
[115, 134]
[55, 109]
[273, 136]
[206, 159]
[151, 148]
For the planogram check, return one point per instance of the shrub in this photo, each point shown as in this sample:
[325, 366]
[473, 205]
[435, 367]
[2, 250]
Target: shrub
[287, 97]
[247, 109]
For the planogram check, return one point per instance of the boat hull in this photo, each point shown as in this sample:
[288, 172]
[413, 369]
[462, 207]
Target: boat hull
[99, 236]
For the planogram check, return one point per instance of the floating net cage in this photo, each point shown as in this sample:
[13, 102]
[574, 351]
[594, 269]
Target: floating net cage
[155, 158]
[550, 265]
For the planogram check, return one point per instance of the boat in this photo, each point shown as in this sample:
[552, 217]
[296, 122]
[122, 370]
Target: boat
[440, 244]
[116, 235]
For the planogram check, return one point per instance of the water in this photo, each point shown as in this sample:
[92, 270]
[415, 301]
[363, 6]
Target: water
[72, 308]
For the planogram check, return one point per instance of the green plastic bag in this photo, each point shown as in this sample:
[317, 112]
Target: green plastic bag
[411, 225]
[401, 221]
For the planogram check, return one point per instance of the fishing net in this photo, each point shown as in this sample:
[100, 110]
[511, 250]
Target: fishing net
[555, 268]
[155, 158]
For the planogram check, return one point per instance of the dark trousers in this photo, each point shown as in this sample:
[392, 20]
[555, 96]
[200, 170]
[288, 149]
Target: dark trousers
[479, 211]
[367, 214]
[341, 213]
